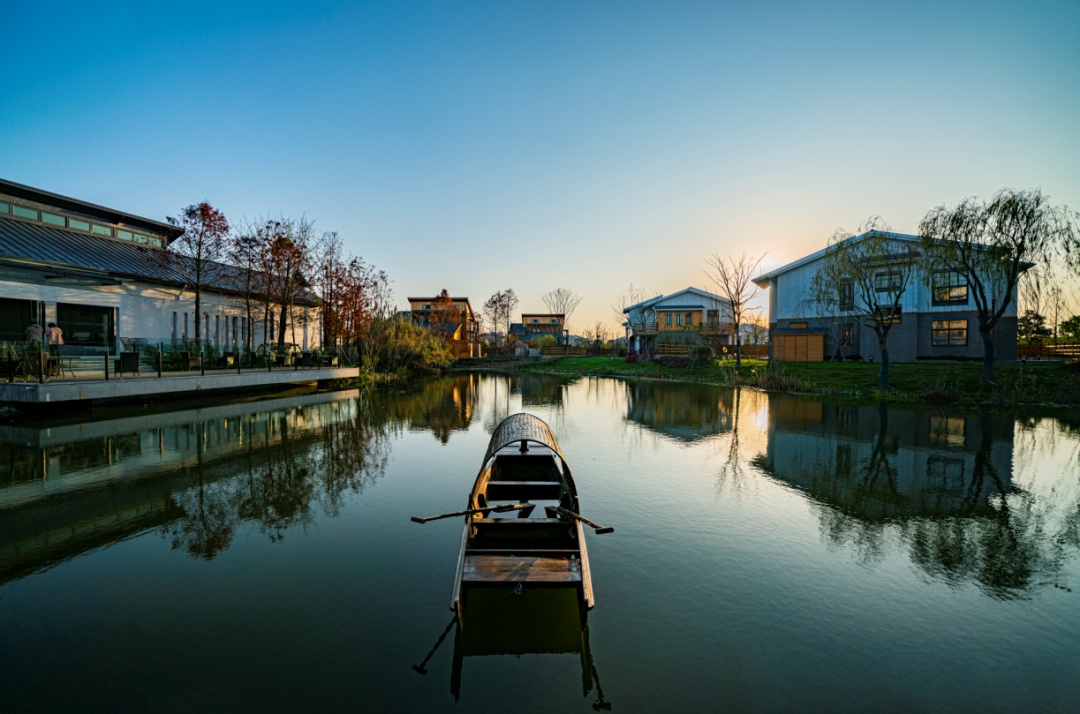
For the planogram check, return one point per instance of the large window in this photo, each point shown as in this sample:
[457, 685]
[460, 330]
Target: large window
[888, 281]
[949, 333]
[889, 314]
[85, 325]
[678, 319]
[949, 288]
[667, 319]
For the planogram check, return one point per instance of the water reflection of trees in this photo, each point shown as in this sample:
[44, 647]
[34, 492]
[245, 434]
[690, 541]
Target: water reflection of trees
[294, 467]
[940, 486]
[440, 405]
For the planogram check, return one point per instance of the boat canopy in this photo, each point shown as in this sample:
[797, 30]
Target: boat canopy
[522, 427]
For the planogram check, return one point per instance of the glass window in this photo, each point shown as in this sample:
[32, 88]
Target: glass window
[156, 242]
[103, 230]
[24, 212]
[678, 318]
[3, 208]
[667, 319]
[53, 220]
[125, 235]
[948, 333]
[889, 314]
[847, 296]
[76, 223]
[949, 287]
[847, 334]
[888, 281]
[689, 318]
[140, 238]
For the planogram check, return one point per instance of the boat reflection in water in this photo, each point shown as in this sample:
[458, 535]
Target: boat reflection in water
[518, 623]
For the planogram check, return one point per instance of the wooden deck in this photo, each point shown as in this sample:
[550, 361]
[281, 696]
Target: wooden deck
[58, 391]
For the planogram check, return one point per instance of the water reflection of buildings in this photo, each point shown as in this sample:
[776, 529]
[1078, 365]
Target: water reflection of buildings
[541, 390]
[879, 463]
[942, 483]
[196, 474]
[684, 412]
[440, 405]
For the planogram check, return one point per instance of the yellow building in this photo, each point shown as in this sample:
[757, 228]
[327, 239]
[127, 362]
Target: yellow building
[452, 318]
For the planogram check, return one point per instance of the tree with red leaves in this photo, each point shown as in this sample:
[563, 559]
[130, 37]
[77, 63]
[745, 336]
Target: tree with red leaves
[196, 251]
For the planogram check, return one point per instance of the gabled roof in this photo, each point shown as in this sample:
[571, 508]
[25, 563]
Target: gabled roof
[762, 281]
[691, 290]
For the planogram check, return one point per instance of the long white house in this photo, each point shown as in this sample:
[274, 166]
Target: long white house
[104, 275]
[937, 319]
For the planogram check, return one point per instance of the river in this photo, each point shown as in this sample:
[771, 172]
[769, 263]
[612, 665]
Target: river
[770, 553]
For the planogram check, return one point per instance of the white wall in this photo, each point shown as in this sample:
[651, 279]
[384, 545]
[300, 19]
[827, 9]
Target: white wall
[146, 311]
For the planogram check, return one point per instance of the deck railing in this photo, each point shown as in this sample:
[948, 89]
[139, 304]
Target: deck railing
[142, 358]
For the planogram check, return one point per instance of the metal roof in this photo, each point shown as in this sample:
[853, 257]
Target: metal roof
[762, 281]
[29, 244]
[29, 193]
[695, 291]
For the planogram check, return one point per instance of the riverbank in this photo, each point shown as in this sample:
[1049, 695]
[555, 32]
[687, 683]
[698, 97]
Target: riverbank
[1029, 385]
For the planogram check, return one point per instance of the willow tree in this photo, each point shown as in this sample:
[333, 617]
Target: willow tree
[865, 277]
[992, 244]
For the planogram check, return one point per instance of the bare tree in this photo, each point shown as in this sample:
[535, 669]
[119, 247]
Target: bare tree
[561, 301]
[499, 309]
[992, 244]
[732, 277]
[624, 301]
[198, 249]
[866, 276]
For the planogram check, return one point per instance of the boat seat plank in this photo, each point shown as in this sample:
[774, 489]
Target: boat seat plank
[520, 490]
[503, 568]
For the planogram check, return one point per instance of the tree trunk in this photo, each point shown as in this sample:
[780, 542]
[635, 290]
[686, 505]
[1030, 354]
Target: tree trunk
[738, 348]
[988, 355]
[198, 313]
[883, 374]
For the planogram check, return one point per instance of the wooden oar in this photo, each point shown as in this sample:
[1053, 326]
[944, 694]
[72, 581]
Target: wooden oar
[567, 512]
[497, 509]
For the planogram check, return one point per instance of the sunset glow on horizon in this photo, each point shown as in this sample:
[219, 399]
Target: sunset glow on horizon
[481, 146]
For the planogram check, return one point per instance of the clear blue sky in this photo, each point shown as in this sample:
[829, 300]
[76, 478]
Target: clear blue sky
[480, 146]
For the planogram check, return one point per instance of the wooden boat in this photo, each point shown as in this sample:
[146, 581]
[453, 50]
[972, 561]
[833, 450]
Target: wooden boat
[503, 544]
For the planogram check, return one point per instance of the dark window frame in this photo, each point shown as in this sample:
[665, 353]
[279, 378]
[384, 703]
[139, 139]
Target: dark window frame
[847, 295]
[896, 318]
[893, 281]
[948, 293]
[946, 333]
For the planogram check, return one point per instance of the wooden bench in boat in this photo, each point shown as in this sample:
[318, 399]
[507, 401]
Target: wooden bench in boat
[523, 490]
[483, 568]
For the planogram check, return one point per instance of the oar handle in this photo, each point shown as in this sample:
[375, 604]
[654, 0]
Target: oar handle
[596, 526]
[486, 510]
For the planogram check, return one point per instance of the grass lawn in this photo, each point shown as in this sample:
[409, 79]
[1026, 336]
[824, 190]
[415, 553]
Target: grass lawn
[958, 383]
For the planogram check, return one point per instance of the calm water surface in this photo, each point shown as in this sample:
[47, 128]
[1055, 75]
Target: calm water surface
[770, 554]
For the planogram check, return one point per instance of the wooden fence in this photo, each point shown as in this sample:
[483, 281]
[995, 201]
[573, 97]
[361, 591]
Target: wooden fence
[560, 351]
[1048, 351]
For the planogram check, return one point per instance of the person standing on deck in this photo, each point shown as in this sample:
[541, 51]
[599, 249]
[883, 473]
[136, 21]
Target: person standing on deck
[34, 332]
[54, 337]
